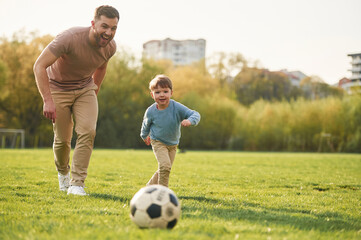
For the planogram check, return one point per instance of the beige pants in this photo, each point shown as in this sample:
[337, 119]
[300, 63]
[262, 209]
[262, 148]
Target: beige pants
[165, 156]
[82, 106]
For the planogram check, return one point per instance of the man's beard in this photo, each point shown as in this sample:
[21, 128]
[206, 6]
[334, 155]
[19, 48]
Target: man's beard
[100, 40]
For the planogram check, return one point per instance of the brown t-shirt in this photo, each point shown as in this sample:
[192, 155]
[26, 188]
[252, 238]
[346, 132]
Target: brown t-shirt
[77, 59]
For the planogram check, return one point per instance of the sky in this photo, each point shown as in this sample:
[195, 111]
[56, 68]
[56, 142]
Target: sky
[311, 36]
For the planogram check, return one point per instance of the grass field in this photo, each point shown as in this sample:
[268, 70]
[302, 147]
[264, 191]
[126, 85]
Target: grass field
[224, 195]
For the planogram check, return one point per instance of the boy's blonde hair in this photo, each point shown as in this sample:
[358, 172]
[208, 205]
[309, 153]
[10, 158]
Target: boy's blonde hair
[160, 81]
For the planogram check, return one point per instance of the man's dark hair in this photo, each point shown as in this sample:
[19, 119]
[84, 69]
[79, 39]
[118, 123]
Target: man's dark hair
[107, 11]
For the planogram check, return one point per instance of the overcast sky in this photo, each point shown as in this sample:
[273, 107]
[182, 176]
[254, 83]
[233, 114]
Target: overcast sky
[312, 36]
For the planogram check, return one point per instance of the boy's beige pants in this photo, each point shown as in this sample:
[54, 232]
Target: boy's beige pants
[82, 106]
[165, 156]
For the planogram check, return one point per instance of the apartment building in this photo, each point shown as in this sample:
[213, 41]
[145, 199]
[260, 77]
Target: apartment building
[353, 83]
[181, 52]
[356, 67]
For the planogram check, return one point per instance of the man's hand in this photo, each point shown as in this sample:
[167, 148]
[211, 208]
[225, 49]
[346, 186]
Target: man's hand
[49, 110]
[186, 123]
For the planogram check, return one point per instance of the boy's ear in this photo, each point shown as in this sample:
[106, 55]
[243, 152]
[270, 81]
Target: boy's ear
[151, 94]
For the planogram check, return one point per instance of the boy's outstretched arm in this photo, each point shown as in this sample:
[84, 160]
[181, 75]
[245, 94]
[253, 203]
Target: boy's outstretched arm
[189, 116]
[192, 119]
[147, 140]
[186, 123]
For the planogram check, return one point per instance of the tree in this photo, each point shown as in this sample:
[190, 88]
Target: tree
[252, 84]
[192, 78]
[218, 119]
[224, 67]
[315, 88]
[20, 101]
[123, 99]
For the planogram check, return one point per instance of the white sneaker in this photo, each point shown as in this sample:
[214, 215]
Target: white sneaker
[64, 181]
[76, 190]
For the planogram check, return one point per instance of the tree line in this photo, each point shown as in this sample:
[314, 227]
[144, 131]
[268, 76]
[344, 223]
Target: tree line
[243, 106]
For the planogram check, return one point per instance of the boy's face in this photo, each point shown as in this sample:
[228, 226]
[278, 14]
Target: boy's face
[161, 96]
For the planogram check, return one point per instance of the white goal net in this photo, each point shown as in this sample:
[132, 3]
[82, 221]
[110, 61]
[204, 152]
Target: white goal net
[12, 138]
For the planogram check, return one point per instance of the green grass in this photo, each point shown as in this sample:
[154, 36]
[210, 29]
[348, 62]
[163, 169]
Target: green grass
[224, 195]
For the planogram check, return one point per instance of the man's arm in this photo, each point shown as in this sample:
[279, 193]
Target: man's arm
[99, 75]
[45, 59]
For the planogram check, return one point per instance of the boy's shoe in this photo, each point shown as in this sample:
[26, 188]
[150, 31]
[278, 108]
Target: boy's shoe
[76, 190]
[64, 181]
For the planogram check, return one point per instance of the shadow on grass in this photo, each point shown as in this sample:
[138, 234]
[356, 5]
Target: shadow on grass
[252, 212]
[201, 199]
[109, 197]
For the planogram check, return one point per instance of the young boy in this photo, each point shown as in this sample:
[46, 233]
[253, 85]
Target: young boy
[161, 126]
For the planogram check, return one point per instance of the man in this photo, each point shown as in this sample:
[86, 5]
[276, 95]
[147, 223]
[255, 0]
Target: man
[68, 74]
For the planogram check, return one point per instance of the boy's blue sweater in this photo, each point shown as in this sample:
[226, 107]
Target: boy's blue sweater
[164, 125]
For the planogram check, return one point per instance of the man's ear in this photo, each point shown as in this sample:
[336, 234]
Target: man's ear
[93, 23]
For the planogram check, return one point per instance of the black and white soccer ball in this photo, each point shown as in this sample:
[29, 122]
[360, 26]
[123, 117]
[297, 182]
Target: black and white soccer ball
[155, 206]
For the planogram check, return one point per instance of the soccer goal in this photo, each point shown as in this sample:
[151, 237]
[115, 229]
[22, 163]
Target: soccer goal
[12, 138]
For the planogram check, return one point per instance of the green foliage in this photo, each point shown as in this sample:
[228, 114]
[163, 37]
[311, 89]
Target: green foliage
[264, 126]
[252, 84]
[257, 110]
[314, 88]
[224, 195]
[218, 116]
[351, 138]
[191, 79]
[20, 102]
[329, 124]
[221, 66]
[121, 99]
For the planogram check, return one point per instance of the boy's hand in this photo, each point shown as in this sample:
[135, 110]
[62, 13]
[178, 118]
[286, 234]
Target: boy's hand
[147, 141]
[186, 123]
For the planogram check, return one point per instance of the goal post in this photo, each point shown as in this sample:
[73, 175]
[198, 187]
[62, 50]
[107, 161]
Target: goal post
[12, 138]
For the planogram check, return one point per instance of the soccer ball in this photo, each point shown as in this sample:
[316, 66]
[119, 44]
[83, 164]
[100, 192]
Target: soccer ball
[155, 206]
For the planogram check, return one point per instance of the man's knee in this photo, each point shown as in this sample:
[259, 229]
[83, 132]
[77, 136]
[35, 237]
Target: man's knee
[164, 168]
[86, 139]
[62, 141]
[86, 132]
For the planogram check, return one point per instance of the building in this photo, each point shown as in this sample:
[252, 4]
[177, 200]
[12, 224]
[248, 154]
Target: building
[353, 83]
[356, 67]
[346, 84]
[180, 52]
[295, 77]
